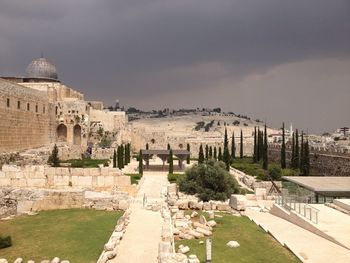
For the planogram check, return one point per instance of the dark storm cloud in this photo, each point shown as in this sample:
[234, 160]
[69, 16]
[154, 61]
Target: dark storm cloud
[130, 48]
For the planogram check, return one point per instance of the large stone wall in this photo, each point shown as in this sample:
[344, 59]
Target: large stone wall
[320, 164]
[40, 176]
[22, 126]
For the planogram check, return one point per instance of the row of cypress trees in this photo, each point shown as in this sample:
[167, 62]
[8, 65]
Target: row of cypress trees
[122, 156]
[300, 158]
[220, 154]
[261, 147]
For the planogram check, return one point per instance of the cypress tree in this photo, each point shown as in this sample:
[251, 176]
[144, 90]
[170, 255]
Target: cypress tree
[147, 160]
[225, 139]
[53, 160]
[215, 154]
[206, 152]
[188, 160]
[226, 158]
[125, 159]
[241, 146]
[210, 152]
[168, 147]
[306, 158]
[171, 162]
[258, 151]
[283, 149]
[255, 147]
[220, 154]
[140, 163]
[233, 146]
[265, 157]
[119, 156]
[122, 155]
[114, 159]
[292, 161]
[296, 164]
[201, 155]
[147, 146]
[302, 156]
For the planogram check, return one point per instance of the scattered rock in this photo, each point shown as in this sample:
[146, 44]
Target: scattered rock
[194, 214]
[18, 260]
[183, 249]
[233, 244]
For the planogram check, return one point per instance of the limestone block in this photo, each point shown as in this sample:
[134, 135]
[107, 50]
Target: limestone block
[5, 182]
[18, 260]
[94, 171]
[110, 246]
[77, 171]
[199, 205]
[197, 224]
[204, 231]
[123, 205]
[182, 204]
[24, 206]
[233, 244]
[180, 214]
[223, 207]
[211, 214]
[183, 235]
[104, 171]
[100, 181]
[260, 193]
[50, 171]
[211, 223]
[165, 247]
[55, 260]
[238, 202]
[2, 260]
[60, 180]
[122, 180]
[18, 175]
[172, 189]
[183, 249]
[206, 206]
[109, 181]
[192, 204]
[2, 175]
[45, 261]
[202, 220]
[65, 261]
[85, 181]
[181, 223]
[195, 233]
[36, 183]
[194, 214]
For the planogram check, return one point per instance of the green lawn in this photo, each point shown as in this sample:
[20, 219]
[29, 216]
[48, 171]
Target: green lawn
[86, 163]
[173, 178]
[256, 245]
[75, 234]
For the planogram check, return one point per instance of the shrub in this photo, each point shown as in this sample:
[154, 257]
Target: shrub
[209, 181]
[275, 172]
[5, 241]
[53, 160]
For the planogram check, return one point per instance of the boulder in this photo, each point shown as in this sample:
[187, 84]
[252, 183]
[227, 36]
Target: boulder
[194, 214]
[193, 259]
[238, 202]
[211, 214]
[180, 214]
[123, 205]
[183, 249]
[192, 204]
[18, 260]
[45, 261]
[202, 220]
[196, 224]
[206, 206]
[223, 207]
[110, 245]
[183, 235]
[55, 260]
[211, 223]
[2, 260]
[65, 261]
[204, 231]
[232, 244]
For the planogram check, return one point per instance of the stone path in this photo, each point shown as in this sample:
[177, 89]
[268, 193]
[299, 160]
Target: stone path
[143, 234]
[310, 247]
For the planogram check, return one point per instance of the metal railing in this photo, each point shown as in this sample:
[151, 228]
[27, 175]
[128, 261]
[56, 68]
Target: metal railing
[300, 205]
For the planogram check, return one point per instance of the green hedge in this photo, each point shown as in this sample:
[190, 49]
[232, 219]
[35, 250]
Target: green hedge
[5, 241]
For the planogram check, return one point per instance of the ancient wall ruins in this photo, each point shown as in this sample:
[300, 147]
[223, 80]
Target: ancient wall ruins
[40, 176]
[26, 118]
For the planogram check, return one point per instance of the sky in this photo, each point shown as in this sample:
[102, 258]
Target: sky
[276, 60]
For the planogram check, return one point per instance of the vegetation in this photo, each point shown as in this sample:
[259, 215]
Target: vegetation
[5, 241]
[199, 125]
[174, 177]
[283, 149]
[209, 181]
[188, 159]
[233, 147]
[140, 163]
[114, 159]
[226, 155]
[200, 155]
[53, 160]
[274, 170]
[256, 244]
[265, 157]
[105, 142]
[171, 162]
[241, 146]
[74, 234]
[87, 163]
[135, 178]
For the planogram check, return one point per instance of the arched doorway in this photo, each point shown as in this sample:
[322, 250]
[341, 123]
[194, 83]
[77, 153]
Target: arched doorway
[61, 133]
[77, 135]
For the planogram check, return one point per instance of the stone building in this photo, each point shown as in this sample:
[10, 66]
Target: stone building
[38, 109]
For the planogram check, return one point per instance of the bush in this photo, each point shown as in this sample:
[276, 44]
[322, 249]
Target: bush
[275, 172]
[173, 178]
[5, 241]
[209, 181]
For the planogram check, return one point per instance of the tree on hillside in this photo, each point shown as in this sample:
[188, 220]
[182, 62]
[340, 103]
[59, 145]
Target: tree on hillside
[301, 159]
[114, 159]
[220, 154]
[188, 159]
[215, 154]
[206, 151]
[241, 146]
[265, 157]
[225, 139]
[292, 161]
[258, 148]
[283, 149]
[209, 181]
[168, 147]
[53, 160]
[210, 152]
[297, 153]
[201, 154]
[171, 162]
[226, 158]
[306, 168]
[122, 155]
[233, 146]
[255, 147]
[140, 163]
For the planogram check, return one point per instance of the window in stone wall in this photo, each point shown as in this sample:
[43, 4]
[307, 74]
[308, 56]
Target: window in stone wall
[8, 103]
[36, 108]
[44, 109]
[28, 107]
[18, 105]
[56, 110]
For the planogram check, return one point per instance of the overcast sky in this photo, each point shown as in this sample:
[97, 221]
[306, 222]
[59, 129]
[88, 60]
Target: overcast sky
[277, 60]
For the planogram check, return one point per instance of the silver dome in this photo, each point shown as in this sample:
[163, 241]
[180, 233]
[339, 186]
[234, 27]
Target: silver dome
[41, 68]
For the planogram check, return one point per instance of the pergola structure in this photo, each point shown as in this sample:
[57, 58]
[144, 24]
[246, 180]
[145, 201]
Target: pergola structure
[164, 155]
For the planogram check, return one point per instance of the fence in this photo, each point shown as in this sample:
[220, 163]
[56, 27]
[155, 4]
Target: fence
[299, 205]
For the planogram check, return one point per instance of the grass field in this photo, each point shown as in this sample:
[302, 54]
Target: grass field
[75, 234]
[86, 163]
[255, 245]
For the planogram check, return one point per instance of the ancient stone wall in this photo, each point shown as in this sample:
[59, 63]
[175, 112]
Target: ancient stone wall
[40, 176]
[320, 164]
[26, 118]
[109, 120]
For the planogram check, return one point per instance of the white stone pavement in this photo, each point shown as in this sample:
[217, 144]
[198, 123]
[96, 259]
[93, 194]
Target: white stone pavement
[143, 234]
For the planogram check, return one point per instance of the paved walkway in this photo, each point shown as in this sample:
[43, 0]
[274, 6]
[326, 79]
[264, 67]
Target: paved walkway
[310, 247]
[143, 234]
